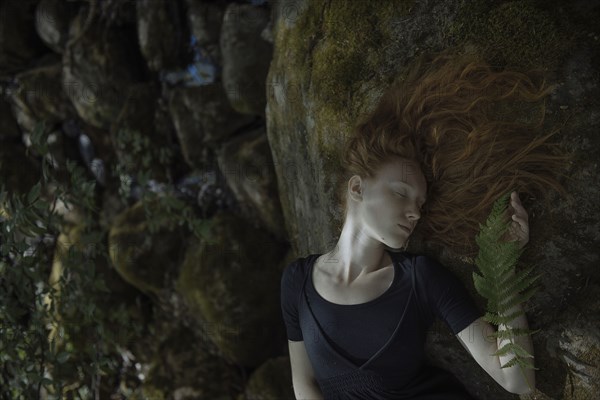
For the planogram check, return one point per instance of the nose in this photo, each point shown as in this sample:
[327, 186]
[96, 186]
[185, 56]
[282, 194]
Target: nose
[414, 214]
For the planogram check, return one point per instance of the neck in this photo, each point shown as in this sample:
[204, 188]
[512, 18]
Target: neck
[355, 255]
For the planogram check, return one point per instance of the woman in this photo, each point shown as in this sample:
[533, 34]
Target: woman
[357, 316]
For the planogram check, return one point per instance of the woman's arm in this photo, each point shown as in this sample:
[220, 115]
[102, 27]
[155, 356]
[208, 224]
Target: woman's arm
[307, 391]
[475, 337]
[303, 376]
[477, 340]
[518, 380]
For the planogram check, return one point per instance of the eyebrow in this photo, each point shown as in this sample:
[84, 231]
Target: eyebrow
[410, 186]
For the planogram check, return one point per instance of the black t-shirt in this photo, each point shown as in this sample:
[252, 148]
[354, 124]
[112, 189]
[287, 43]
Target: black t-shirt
[375, 350]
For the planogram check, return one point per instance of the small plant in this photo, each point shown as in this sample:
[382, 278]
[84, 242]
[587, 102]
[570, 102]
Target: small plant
[136, 148]
[31, 307]
[56, 340]
[501, 285]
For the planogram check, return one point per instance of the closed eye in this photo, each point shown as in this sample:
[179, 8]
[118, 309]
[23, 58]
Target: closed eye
[403, 195]
[420, 207]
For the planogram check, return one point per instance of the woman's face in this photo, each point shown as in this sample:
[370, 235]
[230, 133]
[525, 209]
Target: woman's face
[390, 200]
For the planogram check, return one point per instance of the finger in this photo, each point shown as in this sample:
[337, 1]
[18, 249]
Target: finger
[520, 211]
[520, 221]
[517, 205]
[520, 216]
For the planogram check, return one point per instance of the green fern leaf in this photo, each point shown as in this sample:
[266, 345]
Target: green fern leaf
[499, 283]
[510, 283]
[512, 348]
[522, 362]
[521, 298]
[507, 334]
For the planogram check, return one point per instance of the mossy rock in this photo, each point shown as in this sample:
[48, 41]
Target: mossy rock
[147, 392]
[181, 361]
[143, 259]
[271, 381]
[234, 285]
[515, 34]
[114, 313]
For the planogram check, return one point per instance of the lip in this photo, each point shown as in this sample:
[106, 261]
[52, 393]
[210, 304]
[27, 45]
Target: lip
[405, 228]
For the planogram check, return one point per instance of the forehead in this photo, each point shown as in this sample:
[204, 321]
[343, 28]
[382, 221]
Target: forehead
[403, 170]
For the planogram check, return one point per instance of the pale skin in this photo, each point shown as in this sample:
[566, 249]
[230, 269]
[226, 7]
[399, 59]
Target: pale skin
[359, 269]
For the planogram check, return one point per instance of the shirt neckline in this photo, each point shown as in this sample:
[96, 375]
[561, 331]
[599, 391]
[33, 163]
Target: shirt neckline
[357, 305]
[327, 342]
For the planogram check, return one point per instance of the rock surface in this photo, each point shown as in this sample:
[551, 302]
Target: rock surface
[330, 66]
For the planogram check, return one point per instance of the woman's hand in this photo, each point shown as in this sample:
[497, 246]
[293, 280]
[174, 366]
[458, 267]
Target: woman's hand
[518, 230]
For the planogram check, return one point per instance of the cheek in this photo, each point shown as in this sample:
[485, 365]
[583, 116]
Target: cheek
[383, 211]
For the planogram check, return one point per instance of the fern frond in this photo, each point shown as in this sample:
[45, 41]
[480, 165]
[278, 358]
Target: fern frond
[500, 284]
[497, 319]
[512, 348]
[484, 287]
[516, 283]
[509, 333]
[520, 298]
[523, 362]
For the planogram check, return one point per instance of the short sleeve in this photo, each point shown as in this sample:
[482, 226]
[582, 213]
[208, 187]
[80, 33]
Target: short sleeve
[290, 286]
[447, 297]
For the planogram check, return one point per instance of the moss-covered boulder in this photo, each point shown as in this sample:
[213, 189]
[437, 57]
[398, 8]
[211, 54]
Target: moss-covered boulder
[40, 97]
[233, 284]
[98, 66]
[205, 20]
[160, 29]
[246, 163]
[246, 57]
[52, 22]
[271, 381]
[182, 367]
[203, 118]
[330, 67]
[145, 260]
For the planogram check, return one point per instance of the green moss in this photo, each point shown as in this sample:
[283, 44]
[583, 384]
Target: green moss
[220, 282]
[142, 259]
[181, 359]
[351, 49]
[574, 387]
[333, 48]
[513, 34]
[272, 380]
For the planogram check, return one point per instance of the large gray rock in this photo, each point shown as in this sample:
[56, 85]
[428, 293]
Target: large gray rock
[38, 96]
[98, 68]
[272, 380]
[219, 280]
[246, 57]
[329, 67]
[146, 259]
[246, 163]
[161, 33]
[52, 20]
[203, 119]
[205, 20]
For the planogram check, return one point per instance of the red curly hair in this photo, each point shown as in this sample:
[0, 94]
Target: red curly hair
[444, 116]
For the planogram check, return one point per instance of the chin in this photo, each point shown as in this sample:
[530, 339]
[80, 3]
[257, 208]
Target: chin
[395, 249]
